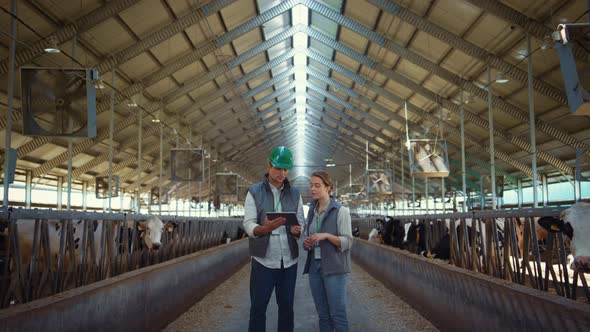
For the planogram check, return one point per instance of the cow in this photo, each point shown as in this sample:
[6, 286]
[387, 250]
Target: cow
[392, 231]
[356, 232]
[151, 231]
[541, 232]
[442, 249]
[574, 222]
[375, 236]
[416, 239]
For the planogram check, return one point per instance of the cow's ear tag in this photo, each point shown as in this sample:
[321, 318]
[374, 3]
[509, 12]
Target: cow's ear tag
[555, 228]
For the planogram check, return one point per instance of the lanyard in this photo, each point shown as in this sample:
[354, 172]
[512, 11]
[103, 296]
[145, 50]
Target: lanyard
[278, 204]
[317, 222]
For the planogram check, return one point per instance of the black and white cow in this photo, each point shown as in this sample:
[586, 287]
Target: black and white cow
[392, 231]
[574, 222]
[416, 238]
[150, 231]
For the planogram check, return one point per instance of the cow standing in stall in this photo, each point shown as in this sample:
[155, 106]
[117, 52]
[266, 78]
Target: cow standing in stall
[356, 232]
[541, 233]
[574, 222]
[375, 236]
[392, 231]
[415, 240]
[150, 232]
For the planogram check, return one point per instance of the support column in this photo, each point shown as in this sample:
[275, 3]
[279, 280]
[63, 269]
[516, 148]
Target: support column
[160, 175]
[426, 194]
[519, 192]
[139, 157]
[463, 176]
[404, 202]
[578, 179]
[60, 183]
[442, 186]
[8, 129]
[545, 186]
[84, 195]
[28, 189]
[491, 143]
[482, 194]
[532, 121]
[413, 195]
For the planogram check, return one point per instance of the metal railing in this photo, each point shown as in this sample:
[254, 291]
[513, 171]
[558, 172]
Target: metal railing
[69, 249]
[505, 245]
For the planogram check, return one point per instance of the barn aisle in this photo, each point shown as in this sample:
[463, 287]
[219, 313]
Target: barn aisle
[371, 307]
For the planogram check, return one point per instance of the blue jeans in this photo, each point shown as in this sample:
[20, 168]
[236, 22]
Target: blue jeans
[262, 282]
[329, 295]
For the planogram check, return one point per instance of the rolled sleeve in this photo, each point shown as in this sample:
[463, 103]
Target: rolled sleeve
[344, 228]
[250, 215]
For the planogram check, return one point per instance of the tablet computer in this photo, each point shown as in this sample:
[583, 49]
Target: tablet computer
[291, 217]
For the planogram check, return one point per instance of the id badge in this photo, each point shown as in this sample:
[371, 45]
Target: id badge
[317, 252]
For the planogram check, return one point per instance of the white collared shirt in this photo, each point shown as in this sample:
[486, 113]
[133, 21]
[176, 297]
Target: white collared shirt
[278, 245]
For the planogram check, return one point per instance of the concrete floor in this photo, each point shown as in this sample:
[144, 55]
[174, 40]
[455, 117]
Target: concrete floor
[371, 307]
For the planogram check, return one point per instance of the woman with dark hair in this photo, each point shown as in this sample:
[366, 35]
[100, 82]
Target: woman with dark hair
[328, 241]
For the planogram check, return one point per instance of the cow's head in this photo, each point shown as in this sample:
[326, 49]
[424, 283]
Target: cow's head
[577, 260]
[152, 230]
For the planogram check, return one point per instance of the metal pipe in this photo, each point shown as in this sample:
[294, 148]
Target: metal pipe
[482, 195]
[70, 140]
[367, 155]
[401, 150]
[519, 192]
[111, 128]
[532, 121]
[84, 194]
[160, 175]
[491, 144]
[578, 179]
[426, 193]
[442, 185]
[413, 195]
[190, 198]
[28, 188]
[60, 184]
[463, 176]
[139, 157]
[545, 190]
[8, 140]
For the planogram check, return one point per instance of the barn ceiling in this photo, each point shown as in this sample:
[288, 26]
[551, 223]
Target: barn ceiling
[328, 79]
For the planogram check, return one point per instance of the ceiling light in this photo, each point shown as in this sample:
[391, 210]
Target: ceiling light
[500, 78]
[469, 99]
[156, 120]
[131, 103]
[51, 46]
[330, 165]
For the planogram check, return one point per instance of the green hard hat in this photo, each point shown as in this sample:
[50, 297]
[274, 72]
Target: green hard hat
[281, 157]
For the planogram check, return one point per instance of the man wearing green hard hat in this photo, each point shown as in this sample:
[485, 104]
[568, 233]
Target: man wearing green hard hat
[273, 248]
